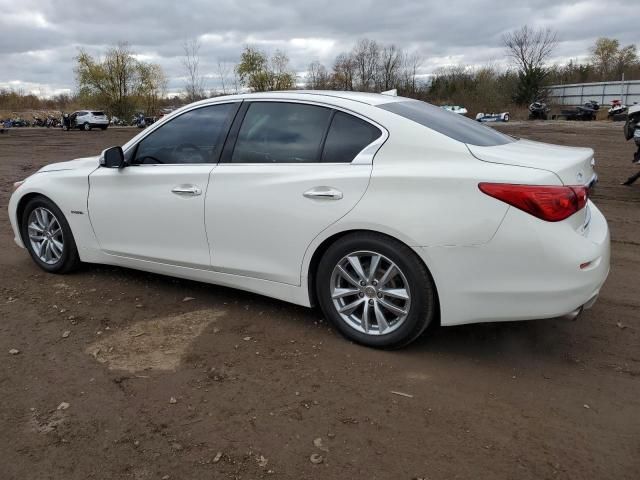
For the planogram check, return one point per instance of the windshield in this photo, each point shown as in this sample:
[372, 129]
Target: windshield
[451, 124]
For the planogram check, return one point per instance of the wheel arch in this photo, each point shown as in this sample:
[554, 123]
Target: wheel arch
[24, 201]
[320, 250]
[22, 204]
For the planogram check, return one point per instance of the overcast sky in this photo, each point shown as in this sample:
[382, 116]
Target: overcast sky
[39, 38]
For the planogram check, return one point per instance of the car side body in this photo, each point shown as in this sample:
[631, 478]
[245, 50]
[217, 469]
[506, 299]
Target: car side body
[254, 227]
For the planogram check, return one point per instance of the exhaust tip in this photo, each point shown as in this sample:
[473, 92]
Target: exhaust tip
[573, 315]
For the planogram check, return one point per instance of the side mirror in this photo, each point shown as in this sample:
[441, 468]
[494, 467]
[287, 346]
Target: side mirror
[112, 158]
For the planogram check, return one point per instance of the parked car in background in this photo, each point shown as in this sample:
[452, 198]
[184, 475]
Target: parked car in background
[389, 213]
[493, 117]
[455, 109]
[88, 119]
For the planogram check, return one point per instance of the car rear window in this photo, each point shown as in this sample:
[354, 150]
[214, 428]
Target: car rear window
[453, 125]
[97, 113]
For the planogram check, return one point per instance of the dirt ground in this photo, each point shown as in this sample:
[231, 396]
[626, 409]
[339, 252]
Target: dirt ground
[127, 375]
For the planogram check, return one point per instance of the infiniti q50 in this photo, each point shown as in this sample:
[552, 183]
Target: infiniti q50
[389, 213]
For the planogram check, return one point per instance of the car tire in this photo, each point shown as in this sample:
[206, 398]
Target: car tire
[405, 298]
[507, 117]
[86, 127]
[62, 256]
[103, 128]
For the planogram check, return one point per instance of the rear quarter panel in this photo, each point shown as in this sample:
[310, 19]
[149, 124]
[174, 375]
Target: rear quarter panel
[425, 193]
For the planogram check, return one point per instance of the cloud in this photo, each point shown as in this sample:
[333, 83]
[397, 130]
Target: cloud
[40, 38]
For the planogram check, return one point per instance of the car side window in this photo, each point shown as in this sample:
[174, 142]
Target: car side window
[280, 132]
[195, 136]
[348, 136]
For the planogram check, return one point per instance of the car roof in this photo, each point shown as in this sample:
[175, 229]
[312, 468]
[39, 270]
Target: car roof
[329, 96]
[362, 97]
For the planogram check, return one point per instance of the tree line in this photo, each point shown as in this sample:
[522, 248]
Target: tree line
[121, 84]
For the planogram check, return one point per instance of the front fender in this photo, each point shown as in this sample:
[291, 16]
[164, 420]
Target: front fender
[69, 190]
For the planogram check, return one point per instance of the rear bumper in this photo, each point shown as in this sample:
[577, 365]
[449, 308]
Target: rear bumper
[530, 270]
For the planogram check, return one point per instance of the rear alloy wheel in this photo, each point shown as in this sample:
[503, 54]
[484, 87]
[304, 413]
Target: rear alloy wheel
[375, 302]
[47, 236]
[86, 127]
[376, 290]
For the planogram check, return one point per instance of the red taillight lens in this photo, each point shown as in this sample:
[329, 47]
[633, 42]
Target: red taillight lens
[550, 203]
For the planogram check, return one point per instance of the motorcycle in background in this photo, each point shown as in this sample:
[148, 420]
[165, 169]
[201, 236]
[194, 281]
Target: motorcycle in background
[617, 108]
[632, 130]
[538, 111]
[52, 122]
[139, 120]
[586, 112]
[37, 122]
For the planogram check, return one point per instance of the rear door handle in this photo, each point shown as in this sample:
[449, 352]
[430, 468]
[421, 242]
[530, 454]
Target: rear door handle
[328, 193]
[187, 190]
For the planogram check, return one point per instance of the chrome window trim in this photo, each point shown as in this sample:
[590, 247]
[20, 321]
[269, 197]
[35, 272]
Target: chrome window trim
[364, 157]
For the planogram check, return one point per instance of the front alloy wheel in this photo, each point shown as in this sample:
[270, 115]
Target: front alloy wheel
[45, 235]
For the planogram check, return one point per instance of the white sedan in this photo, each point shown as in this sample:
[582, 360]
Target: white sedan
[389, 213]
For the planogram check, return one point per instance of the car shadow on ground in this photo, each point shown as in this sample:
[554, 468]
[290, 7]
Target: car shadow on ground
[503, 341]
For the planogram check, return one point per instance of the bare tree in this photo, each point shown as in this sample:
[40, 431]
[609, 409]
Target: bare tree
[366, 55]
[391, 59]
[282, 77]
[530, 50]
[409, 73]
[223, 75]
[344, 72]
[191, 61]
[318, 77]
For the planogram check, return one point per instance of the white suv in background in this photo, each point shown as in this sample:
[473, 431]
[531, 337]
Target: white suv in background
[88, 119]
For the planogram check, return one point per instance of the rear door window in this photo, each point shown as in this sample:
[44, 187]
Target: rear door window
[279, 132]
[451, 124]
[348, 136]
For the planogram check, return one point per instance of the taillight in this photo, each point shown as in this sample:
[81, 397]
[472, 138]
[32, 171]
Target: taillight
[550, 203]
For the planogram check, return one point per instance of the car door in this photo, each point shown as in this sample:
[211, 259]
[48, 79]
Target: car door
[153, 209]
[289, 170]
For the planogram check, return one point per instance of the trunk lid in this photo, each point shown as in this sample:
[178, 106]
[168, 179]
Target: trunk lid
[572, 165]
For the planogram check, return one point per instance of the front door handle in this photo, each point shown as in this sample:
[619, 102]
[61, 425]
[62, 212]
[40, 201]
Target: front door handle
[187, 190]
[328, 193]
